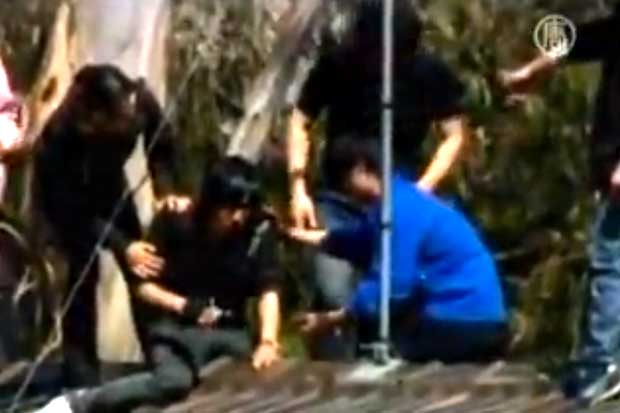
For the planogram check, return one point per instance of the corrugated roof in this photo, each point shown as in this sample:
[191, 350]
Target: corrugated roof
[295, 386]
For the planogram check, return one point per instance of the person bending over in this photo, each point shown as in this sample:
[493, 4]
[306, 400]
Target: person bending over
[80, 183]
[217, 257]
[446, 301]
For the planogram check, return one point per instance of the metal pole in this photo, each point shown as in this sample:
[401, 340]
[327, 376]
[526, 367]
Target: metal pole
[382, 353]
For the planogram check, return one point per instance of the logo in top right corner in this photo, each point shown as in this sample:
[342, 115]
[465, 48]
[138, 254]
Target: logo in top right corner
[555, 36]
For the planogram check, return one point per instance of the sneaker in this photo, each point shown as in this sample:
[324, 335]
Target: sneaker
[77, 401]
[59, 404]
[590, 385]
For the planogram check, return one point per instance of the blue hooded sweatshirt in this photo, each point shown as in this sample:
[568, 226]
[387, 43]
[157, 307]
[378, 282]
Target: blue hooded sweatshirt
[440, 266]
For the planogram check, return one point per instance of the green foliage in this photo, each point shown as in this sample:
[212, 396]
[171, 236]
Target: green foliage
[526, 178]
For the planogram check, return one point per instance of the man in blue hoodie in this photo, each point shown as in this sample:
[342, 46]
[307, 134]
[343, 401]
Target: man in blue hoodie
[446, 301]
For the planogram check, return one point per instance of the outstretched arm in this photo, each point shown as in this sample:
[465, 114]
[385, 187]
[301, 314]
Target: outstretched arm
[161, 297]
[593, 43]
[268, 349]
[454, 132]
[352, 242]
[303, 211]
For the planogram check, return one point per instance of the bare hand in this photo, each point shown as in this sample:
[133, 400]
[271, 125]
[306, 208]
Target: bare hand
[265, 355]
[143, 260]
[307, 236]
[209, 317]
[174, 203]
[310, 323]
[303, 212]
[614, 184]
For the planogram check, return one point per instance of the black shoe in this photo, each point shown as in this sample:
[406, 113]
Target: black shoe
[590, 385]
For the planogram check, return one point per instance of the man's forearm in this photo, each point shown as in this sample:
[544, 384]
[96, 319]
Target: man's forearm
[448, 153]
[298, 148]
[160, 297]
[542, 64]
[269, 317]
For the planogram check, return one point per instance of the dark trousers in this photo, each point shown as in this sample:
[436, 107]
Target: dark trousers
[600, 337]
[176, 354]
[334, 281]
[451, 341]
[81, 363]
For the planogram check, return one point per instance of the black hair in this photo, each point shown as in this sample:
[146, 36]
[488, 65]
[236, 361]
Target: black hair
[366, 25]
[232, 182]
[103, 86]
[345, 153]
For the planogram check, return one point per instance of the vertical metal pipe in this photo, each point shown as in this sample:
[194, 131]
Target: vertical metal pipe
[386, 207]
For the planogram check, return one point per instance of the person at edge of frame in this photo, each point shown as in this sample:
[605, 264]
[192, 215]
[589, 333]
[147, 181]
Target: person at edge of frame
[218, 255]
[13, 125]
[446, 301]
[594, 376]
[80, 181]
[426, 91]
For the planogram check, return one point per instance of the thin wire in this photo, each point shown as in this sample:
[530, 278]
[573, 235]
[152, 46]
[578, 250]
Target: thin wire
[55, 338]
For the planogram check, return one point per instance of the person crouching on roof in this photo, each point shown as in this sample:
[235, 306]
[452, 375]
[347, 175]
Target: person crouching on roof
[446, 302]
[217, 256]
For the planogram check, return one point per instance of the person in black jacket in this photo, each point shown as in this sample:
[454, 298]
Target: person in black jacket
[596, 376]
[80, 181]
[217, 257]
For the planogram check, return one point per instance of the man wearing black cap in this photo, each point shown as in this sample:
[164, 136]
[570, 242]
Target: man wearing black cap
[346, 84]
[596, 375]
[216, 258]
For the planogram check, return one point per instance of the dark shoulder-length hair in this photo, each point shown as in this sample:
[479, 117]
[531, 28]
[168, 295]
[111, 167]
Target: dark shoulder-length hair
[231, 182]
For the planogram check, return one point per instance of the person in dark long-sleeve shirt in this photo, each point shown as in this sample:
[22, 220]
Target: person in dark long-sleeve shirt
[80, 180]
[596, 376]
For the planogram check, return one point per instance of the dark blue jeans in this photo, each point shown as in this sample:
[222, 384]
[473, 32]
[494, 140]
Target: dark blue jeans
[334, 280]
[600, 339]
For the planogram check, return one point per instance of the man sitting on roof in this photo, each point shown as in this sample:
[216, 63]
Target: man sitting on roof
[216, 258]
[446, 302]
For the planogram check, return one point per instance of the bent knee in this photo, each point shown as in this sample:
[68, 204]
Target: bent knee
[174, 382]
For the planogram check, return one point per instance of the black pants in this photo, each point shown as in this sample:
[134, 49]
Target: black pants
[176, 354]
[451, 341]
[81, 363]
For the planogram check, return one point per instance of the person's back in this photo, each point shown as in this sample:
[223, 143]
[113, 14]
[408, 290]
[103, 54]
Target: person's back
[458, 279]
[438, 259]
